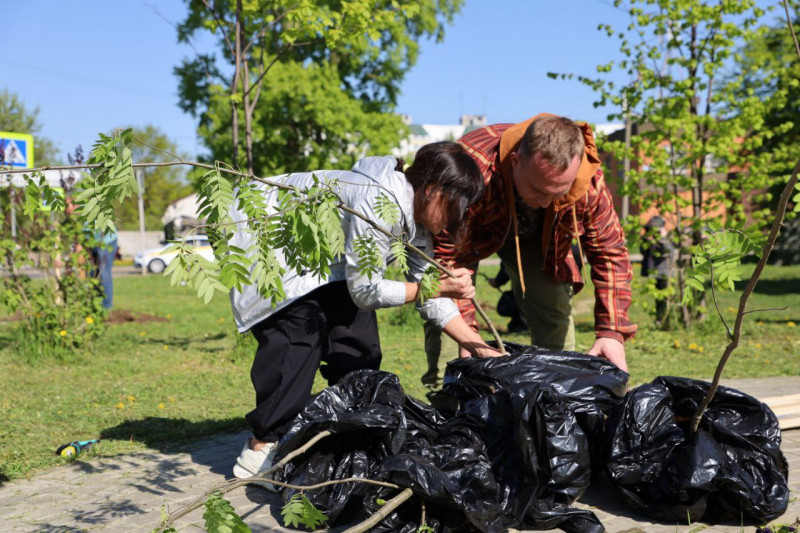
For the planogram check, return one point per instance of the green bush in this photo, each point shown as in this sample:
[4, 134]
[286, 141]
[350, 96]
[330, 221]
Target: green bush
[61, 311]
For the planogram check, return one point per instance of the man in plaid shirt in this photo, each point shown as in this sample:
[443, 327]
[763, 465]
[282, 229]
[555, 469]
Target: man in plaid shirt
[544, 191]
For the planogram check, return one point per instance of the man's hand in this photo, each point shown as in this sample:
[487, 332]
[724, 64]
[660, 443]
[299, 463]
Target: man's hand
[458, 287]
[610, 349]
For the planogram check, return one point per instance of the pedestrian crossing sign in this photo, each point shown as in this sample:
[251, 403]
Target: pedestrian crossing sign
[16, 150]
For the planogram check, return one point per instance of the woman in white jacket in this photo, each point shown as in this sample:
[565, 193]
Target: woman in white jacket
[332, 320]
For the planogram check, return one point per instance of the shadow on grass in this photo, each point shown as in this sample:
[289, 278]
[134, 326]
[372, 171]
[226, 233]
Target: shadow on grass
[186, 341]
[774, 287]
[170, 434]
[764, 317]
[6, 337]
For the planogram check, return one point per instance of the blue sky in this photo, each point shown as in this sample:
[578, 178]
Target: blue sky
[93, 65]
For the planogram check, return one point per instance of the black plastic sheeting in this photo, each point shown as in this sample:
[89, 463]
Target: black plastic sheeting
[515, 456]
[731, 469]
[521, 448]
[590, 386]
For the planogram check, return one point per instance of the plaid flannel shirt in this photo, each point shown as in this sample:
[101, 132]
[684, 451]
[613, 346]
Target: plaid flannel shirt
[591, 218]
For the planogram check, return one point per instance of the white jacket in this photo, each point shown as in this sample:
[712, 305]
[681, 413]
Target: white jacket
[359, 189]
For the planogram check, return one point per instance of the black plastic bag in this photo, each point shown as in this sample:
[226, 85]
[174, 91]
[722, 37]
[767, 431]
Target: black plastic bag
[732, 468]
[506, 461]
[540, 457]
[364, 412]
[591, 386]
[453, 475]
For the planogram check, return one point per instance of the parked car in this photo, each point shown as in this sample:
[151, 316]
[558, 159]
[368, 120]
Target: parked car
[155, 260]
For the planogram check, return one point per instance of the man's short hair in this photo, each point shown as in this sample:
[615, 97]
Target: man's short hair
[558, 140]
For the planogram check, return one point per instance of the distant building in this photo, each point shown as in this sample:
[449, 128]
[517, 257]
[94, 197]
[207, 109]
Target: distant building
[422, 134]
[181, 216]
[715, 170]
[607, 129]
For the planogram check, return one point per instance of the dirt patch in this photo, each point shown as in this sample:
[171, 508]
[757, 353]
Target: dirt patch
[117, 316]
[122, 316]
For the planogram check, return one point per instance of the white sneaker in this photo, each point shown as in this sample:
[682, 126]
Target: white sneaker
[251, 462]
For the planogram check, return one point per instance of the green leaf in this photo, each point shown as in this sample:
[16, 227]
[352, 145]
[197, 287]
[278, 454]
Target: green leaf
[400, 255]
[370, 261]
[221, 517]
[429, 284]
[387, 209]
[299, 511]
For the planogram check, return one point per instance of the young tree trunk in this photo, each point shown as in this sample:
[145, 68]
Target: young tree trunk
[237, 60]
[248, 120]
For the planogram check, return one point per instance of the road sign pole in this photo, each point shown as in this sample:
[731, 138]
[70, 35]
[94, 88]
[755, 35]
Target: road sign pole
[13, 210]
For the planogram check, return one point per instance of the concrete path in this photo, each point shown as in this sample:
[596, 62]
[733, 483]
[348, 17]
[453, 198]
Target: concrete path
[126, 493]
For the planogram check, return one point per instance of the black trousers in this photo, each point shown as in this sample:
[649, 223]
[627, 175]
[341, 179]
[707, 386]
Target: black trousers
[325, 326]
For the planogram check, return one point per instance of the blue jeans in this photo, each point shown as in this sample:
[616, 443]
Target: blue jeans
[105, 260]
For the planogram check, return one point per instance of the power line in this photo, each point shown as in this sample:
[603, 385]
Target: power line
[84, 79]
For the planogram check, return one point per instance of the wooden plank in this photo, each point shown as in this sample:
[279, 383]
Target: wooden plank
[789, 423]
[786, 408]
[786, 399]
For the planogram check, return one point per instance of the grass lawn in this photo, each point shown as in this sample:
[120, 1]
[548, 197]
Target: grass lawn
[161, 384]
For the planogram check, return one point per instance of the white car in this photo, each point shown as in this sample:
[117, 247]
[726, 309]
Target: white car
[156, 260]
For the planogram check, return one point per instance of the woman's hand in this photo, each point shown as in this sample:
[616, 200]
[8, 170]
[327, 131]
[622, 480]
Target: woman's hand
[469, 342]
[474, 349]
[458, 287]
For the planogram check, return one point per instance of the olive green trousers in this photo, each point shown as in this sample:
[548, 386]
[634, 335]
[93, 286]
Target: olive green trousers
[547, 305]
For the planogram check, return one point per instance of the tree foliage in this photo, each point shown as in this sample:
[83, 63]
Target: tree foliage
[769, 67]
[61, 312]
[305, 84]
[305, 228]
[162, 185]
[304, 120]
[15, 117]
[697, 155]
[773, 58]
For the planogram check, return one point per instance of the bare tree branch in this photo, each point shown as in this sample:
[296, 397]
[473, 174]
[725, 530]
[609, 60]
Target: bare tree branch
[285, 49]
[230, 485]
[387, 508]
[267, 25]
[784, 308]
[209, 76]
[221, 26]
[140, 141]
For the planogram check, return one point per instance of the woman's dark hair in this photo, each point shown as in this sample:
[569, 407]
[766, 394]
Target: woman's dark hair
[445, 167]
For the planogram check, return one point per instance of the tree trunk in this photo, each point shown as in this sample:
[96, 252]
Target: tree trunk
[248, 120]
[235, 82]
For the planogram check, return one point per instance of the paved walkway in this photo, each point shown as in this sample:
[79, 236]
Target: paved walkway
[126, 493]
